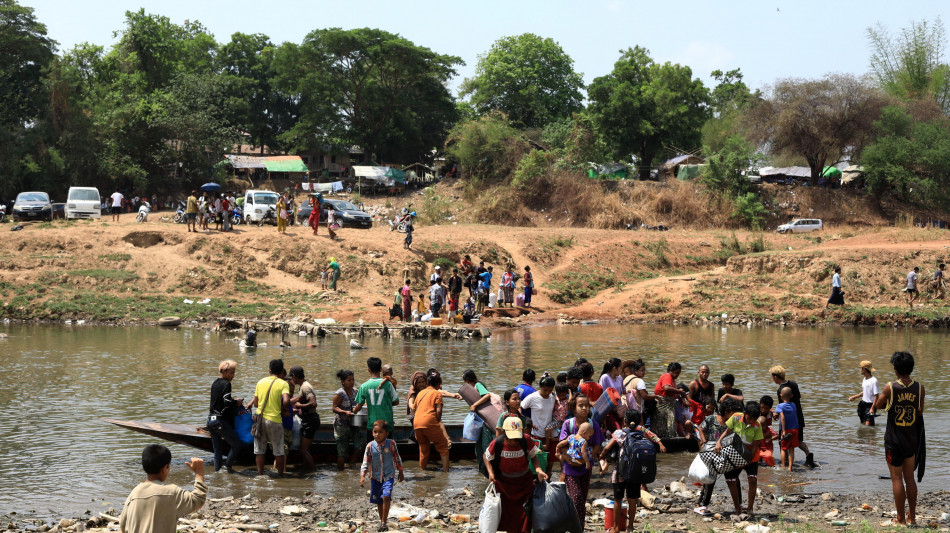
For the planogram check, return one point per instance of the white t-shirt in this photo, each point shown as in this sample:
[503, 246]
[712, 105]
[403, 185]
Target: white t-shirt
[912, 280]
[542, 411]
[117, 199]
[869, 386]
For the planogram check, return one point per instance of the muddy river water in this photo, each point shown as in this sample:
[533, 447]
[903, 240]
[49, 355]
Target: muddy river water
[57, 458]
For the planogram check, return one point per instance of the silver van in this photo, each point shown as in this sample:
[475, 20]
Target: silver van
[257, 203]
[83, 202]
[801, 225]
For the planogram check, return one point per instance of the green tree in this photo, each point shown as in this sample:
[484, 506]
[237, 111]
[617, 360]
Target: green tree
[727, 101]
[641, 106]
[726, 170]
[527, 77]
[359, 86]
[823, 121]
[911, 66]
[488, 147]
[25, 51]
[257, 106]
[909, 159]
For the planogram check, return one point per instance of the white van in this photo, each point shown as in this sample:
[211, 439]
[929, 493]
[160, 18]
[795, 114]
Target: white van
[801, 225]
[256, 204]
[83, 202]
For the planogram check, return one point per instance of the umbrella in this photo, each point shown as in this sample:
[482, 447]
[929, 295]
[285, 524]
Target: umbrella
[210, 187]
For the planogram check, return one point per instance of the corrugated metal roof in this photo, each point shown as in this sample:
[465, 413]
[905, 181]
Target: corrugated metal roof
[690, 158]
[245, 161]
[797, 172]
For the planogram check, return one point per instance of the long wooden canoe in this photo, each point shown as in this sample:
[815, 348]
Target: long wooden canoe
[323, 448]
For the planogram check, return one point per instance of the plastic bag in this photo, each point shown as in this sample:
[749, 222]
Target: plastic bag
[490, 515]
[552, 510]
[472, 427]
[242, 427]
[699, 472]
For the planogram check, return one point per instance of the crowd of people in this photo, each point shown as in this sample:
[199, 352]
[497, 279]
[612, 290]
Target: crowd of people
[556, 418]
[446, 298]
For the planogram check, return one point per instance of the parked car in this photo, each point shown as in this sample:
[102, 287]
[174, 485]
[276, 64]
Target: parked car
[801, 225]
[257, 203]
[32, 206]
[83, 202]
[346, 214]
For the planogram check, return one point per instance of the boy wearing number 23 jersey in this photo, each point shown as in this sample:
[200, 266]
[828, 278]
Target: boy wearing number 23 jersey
[379, 401]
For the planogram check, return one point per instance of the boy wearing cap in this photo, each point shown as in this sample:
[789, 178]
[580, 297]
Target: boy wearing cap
[507, 461]
[869, 392]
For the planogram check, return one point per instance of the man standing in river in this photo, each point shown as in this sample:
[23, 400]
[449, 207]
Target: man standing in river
[379, 400]
[270, 396]
[778, 376]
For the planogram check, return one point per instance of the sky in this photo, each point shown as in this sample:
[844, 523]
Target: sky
[766, 39]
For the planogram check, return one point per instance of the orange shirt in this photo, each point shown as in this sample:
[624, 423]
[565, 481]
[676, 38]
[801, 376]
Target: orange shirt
[426, 401]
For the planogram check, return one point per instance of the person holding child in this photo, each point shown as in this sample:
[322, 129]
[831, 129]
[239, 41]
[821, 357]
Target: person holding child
[381, 461]
[577, 477]
[153, 506]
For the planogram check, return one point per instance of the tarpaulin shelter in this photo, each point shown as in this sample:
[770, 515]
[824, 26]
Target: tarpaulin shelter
[831, 173]
[853, 177]
[671, 167]
[291, 164]
[689, 172]
[396, 175]
[612, 171]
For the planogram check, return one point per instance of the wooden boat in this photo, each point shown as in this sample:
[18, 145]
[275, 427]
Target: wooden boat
[323, 447]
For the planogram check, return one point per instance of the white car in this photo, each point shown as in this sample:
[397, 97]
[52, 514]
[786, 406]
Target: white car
[801, 225]
[256, 204]
[83, 202]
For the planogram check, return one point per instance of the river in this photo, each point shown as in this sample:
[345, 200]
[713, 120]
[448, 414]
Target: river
[57, 458]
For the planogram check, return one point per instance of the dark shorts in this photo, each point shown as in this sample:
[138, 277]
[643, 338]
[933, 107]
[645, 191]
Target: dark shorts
[897, 457]
[913, 291]
[116, 210]
[309, 423]
[864, 412]
[631, 489]
[751, 470]
[378, 491]
[191, 216]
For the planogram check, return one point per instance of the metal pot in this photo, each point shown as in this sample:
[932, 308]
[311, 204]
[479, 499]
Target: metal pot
[359, 419]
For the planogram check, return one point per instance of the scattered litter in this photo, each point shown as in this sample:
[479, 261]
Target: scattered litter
[187, 301]
[354, 345]
[293, 510]
[205, 301]
[832, 514]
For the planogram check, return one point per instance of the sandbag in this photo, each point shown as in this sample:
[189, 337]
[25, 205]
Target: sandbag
[490, 515]
[699, 472]
[472, 426]
[552, 510]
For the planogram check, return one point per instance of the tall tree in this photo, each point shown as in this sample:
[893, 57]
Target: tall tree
[527, 77]
[25, 51]
[641, 106]
[259, 108]
[727, 100]
[353, 86]
[911, 66]
[823, 121]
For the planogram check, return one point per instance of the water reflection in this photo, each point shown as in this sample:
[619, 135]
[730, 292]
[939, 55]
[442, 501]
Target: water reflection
[59, 381]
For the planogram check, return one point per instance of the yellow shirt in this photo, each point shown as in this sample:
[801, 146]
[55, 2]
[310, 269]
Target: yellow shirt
[192, 206]
[272, 408]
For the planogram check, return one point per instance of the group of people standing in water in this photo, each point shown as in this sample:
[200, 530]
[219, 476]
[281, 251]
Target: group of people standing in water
[555, 416]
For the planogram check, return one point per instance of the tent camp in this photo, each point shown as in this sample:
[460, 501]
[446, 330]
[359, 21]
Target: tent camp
[288, 165]
[610, 171]
[671, 167]
[689, 172]
[852, 177]
[778, 174]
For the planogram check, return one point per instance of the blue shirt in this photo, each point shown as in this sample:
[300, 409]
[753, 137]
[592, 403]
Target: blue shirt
[485, 280]
[523, 391]
[791, 414]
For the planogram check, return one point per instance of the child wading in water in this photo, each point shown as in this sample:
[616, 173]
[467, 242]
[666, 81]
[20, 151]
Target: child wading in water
[788, 426]
[381, 461]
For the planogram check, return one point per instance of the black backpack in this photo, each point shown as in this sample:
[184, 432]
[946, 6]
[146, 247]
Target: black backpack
[638, 459]
[499, 446]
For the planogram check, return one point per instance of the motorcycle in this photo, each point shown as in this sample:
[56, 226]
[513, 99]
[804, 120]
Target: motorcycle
[237, 215]
[400, 222]
[270, 216]
[144, 210]
[179, 217]
[3, 212]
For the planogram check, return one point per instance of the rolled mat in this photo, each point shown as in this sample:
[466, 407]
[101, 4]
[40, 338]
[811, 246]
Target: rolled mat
[488, 412]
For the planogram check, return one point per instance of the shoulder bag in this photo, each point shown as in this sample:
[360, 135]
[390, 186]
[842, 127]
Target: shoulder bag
[257, 428]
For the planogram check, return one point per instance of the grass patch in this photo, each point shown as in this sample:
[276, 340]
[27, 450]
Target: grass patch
[659, 249]
[445, 264]
[116, 257]
[577, 286]
[101, 273]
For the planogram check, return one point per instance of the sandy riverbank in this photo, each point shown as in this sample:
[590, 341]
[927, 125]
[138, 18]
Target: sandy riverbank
[128, 273]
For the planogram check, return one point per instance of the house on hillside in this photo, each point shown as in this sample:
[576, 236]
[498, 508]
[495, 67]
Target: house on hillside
[332, 162]
[269, 167]
[671, 167]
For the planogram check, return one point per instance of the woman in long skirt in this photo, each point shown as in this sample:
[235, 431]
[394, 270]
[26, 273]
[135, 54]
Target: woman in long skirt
[508, 468]
[837, 295]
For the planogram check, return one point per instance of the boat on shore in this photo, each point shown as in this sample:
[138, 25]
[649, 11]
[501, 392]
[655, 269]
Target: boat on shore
[323, 448]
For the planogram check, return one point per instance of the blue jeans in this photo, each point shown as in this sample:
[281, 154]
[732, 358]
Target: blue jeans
[223, 431]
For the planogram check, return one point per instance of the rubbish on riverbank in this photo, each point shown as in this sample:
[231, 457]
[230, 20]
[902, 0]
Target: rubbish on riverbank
[324, 321]
[293, 510]
[354, 345]
[832, 514]
[840, 523]
[169, 321]
[186, 301]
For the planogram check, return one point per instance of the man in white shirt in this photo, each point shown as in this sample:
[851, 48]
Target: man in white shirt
[912, 292]
[869, 392]
[541, 404]
[116, 205]
[437, 274]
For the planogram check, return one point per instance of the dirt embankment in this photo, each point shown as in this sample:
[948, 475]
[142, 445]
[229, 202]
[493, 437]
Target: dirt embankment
[128, 272]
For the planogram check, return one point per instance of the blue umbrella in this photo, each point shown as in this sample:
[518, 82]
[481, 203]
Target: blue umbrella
[210, 187]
